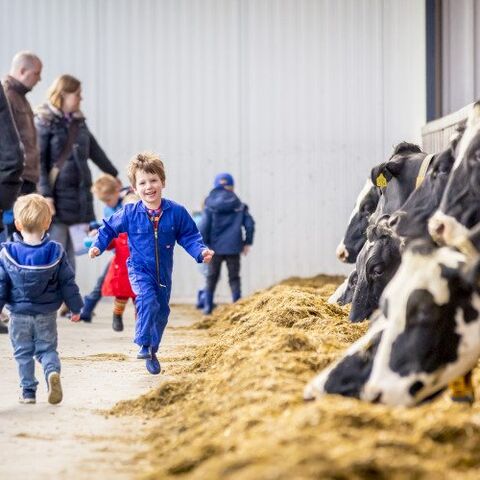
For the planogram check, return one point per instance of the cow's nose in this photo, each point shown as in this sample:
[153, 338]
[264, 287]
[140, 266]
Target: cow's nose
[342, 253]
[372, 394]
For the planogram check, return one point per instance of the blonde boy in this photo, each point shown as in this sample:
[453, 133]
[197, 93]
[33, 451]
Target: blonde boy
[35, 279]
[153, 226]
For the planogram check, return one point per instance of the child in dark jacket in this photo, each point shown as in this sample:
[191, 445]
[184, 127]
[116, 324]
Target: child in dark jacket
[35, 278]
[227, 228]
[153, 226]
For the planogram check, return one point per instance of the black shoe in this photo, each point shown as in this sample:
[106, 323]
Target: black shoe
[117, 323]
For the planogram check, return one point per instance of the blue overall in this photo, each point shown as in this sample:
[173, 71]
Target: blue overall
[151, 260]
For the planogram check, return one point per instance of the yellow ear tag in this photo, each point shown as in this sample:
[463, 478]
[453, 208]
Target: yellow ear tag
[381, 181]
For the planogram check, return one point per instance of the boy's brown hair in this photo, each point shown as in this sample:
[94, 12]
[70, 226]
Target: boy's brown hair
[32, 212]
[105, 186]
[146, 162]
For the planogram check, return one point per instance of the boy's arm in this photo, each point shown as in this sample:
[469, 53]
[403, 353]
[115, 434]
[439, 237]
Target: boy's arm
[70, 291]
[111, 228]
[4, 286]
[189, 237]
[249, 225]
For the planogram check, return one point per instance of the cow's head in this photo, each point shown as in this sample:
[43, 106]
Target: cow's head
[411, 221]
[432, 333]
[344, 293]
[376, 265]
[355, 235]
[348, 375]
[397, 177]
[459, 209]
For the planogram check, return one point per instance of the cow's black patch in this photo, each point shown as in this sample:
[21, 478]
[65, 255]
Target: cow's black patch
[405, 147]
[351, 374]
[429, 341]
[415, 388]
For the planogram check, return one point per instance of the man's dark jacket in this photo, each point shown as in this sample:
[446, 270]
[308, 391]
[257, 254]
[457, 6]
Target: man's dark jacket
[11, 157]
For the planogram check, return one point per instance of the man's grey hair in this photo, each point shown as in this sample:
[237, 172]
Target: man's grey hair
[24, 59]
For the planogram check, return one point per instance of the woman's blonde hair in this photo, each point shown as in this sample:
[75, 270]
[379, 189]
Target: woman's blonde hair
[32, 212]
[61, 85]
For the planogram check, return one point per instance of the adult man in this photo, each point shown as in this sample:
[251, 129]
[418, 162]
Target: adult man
[25, 73]
[11, 165]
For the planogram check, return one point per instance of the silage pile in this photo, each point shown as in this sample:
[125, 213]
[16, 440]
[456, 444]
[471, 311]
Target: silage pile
[236, 410]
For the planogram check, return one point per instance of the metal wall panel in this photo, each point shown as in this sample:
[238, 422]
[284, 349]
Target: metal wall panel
[298, 99]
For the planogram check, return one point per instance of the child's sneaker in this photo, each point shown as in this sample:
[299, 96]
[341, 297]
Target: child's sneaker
[55, 393]
[27, 396]
[117, 323]
[153, 365]
[144, 353]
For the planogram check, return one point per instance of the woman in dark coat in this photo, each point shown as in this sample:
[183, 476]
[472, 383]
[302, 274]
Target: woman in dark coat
[65, 146]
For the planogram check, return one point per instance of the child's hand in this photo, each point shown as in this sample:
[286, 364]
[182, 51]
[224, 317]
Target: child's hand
[93, 232]
[207, 255]
[246, 249]
[75, 317]
[94, 252]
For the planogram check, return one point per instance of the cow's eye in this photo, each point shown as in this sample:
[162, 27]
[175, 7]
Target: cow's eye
[377, 270]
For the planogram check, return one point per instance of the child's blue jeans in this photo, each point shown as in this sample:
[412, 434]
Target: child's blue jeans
[34, 336]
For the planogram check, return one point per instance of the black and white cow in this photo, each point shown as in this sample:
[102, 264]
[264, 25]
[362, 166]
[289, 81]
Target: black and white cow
[411, 221]
[377, 263]
[343, 295]
[355, 235]
[427, 335]
[459, 208]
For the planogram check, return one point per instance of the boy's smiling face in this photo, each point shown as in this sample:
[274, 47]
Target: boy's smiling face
[149, 188]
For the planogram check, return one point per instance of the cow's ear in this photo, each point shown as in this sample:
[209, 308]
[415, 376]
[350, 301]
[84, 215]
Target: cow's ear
[395, 167]
[380, 177]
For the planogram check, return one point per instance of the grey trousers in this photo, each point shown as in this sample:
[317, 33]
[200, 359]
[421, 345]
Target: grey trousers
[60, 233]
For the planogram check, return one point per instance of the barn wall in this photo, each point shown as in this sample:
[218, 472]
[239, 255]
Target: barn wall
[298, 99]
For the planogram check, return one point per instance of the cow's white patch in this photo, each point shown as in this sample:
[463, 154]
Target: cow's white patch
[446, 230]
[473, 127]
[363, 193]
[338, 292]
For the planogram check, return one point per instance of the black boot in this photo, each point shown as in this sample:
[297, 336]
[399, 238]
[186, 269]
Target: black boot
[236, 295]
[117, 323]
[207, 302]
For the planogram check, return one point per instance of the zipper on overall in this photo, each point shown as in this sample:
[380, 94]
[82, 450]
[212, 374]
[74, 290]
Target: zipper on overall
[155, 225]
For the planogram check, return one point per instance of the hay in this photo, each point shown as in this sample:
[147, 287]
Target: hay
[236, 410]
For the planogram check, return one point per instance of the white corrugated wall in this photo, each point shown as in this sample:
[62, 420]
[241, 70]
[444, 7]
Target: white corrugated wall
[298, 99]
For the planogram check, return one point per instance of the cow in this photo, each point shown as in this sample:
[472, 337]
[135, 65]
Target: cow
[344, 293]
[427, 333]
[459, 208]
[411, 221]
[377, 263]
[380, 257]
[355, 235]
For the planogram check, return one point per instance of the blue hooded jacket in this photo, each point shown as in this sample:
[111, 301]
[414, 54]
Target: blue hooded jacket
[152, 259]
[36, 279]
[225, 217]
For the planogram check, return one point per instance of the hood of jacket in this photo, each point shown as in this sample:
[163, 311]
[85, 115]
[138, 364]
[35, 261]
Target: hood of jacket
[20, 256]
[223, 201]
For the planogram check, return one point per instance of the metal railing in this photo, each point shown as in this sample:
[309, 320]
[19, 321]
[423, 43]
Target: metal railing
[436, 134]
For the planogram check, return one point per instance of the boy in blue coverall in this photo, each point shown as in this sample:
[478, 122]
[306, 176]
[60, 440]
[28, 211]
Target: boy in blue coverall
[153, 226]
[35, 278]
[227, 227]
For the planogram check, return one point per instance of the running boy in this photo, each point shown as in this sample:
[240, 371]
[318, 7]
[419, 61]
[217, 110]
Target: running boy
[153, 225]
[35, 278]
